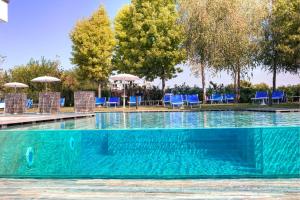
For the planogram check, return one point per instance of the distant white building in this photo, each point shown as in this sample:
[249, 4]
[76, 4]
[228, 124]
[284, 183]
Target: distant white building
[4, 10]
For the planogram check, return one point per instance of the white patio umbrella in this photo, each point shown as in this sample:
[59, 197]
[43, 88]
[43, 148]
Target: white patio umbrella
[124, 78]
[45, 79]
[15, 85]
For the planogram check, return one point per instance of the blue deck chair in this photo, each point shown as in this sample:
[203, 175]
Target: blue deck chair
[176, 100]
[167, 99]
[100, 101]
[229, 98]
[193, 99]
[62, 102]
[278, 95]
[216, 98]
[29, 103]
[113, 101]
[184, 98]
[261, 96]
[132, 100]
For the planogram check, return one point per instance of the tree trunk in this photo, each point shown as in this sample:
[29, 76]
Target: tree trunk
[238, 94]
[203, 81]
[99, 90]
[163, 85]
[235, 86]
[274, 77]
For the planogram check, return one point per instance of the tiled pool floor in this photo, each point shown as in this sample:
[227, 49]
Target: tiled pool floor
[150, 189]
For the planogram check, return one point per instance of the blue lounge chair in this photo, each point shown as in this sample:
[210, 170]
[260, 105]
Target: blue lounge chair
[113, 101]
[132, 100]
[193, 99]
[229, 98]
[176, 100]
[100, 101]
[278, 95]
[167, 99]
[261, 96]
[216, 98]
[62, 102]
[184, 98]
[29, 103]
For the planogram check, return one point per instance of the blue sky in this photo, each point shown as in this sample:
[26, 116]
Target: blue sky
[41, 28]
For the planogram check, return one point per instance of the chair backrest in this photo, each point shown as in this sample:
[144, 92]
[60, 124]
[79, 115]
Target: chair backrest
[62, 102]
[261, 94]
[184, 97]
[29, 103]
[278, 94]
[167, 97]
[100, 100]
[133, 99]
[216, 96]
[176, 99]
[114, 99]
[192, 98]
[229, 96]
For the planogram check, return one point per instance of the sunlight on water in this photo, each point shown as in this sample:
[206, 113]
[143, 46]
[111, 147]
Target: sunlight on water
[152, 153]
[174, 120]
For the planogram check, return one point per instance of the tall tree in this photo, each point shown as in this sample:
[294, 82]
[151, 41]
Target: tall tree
[222, 35]
[199, 20]
[93, 44]
[149, 40]
[280, 49]
[243, 30]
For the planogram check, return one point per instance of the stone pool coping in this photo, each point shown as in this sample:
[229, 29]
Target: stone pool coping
[149, 189]
[12, 120]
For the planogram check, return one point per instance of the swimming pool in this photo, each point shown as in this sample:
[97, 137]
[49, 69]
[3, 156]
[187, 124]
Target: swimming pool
[146, 120]
[185, 149]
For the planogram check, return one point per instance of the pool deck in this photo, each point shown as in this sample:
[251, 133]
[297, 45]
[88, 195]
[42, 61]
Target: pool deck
[10, 120]
[150, 189]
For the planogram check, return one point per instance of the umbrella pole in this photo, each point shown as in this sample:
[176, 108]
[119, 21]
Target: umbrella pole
[124, 97]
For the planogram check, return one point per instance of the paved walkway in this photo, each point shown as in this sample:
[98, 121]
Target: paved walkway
[9, 120]
[150, 189]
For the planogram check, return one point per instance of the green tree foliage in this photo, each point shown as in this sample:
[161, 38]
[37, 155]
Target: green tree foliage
[149, 40]
[222, 35]
[33, 69]
[3, 77]
[93, 44]
[197, 17]
[280, 49]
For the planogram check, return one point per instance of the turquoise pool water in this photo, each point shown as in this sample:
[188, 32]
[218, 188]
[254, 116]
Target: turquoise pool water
[152, 153]
[156, 146]
[145, 120]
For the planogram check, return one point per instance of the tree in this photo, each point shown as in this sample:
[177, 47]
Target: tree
[149, 40]
[35, 68]
[93, 44]
[222, 35]
[3, 76]
[280, 49]
[199, 20]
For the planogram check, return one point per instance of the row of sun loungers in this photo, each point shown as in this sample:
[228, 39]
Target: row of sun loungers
[115, 101]
[181, 100]
[263, 96]
[178, 100]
